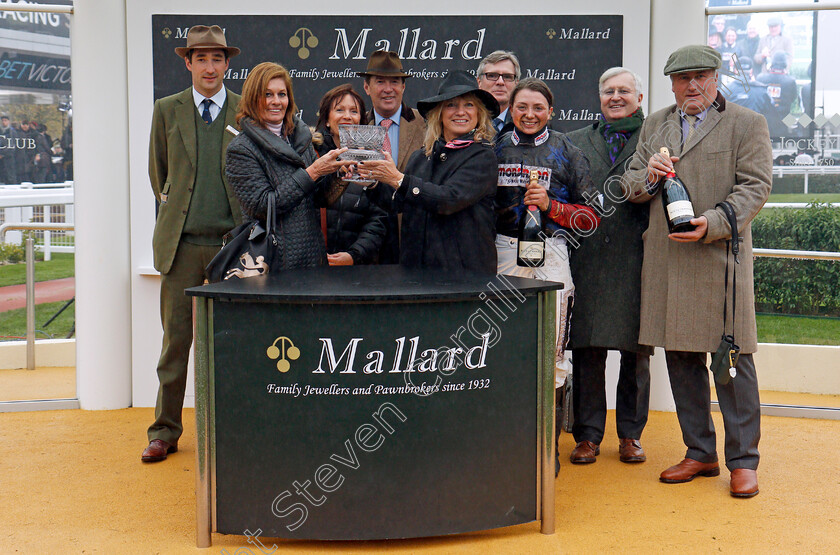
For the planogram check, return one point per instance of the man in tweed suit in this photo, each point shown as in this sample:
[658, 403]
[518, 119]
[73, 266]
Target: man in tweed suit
[385, 85]
[722, 152]
[196, 208]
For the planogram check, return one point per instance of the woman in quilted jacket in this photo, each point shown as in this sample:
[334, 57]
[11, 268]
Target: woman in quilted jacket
[355, 226]
[274, 152]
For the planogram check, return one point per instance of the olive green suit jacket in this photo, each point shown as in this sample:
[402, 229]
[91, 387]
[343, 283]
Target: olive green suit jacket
[172, 168]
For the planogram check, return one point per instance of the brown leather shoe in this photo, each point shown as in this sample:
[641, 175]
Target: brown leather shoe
[630, 451]
[157, 451]
[743, 482]
[687, 470]
[584, 453]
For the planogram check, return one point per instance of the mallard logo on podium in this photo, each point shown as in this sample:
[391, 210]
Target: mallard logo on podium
[284, 352]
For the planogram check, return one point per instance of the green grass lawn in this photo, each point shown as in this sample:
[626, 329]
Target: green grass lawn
[62, 265]
[13, 322]
[810, 197]
[775, 328]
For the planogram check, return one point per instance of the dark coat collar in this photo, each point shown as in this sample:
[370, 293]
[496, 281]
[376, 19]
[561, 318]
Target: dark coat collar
[290, 151]
[407, 114]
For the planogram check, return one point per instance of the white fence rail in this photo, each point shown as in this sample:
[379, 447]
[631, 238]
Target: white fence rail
[782, 171]
[50, 203]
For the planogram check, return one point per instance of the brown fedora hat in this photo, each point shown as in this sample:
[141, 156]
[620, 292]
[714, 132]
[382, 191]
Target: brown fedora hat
[204, 37]
[384, 63]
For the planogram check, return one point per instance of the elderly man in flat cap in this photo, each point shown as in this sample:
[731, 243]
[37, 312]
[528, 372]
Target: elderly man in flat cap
[197, 207]
[771, 43]
[405, 129]
[722, 152]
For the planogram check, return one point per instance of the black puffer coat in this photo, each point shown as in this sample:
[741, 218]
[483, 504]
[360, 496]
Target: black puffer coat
[258, 161]
[447, 204]
[354, 224]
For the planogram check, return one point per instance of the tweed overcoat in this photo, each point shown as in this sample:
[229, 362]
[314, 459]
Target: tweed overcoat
[728, 158]
[607, 265]
[172, 168]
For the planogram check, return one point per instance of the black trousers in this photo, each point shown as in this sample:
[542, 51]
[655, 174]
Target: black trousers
[590, 398]
[739, 405]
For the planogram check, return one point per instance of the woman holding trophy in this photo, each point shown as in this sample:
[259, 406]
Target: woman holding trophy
[274, 154]
[355, 227]
[446, 193]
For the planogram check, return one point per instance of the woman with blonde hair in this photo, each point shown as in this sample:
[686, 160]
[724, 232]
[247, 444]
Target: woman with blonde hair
[446, 193]
[274, 153]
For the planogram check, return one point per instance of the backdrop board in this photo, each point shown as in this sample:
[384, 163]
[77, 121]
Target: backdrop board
[374, 402]
[569, 52]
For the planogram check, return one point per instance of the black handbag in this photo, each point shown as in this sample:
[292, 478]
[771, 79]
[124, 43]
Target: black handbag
[726, 356]
[249, 249]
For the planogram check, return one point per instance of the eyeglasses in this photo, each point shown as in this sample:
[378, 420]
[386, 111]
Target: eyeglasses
[621, 92]
[508, 77]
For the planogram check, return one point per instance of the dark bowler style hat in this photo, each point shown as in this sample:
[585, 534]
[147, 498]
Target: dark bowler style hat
[384, 63]
[695, 57]
[455, 84]
[206, 38]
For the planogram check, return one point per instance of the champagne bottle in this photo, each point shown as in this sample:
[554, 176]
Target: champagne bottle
[677, 202]
[531, 248]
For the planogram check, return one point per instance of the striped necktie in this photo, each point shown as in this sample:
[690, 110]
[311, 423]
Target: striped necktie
[692, 122]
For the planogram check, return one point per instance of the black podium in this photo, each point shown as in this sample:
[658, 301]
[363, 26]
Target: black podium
[372, 403]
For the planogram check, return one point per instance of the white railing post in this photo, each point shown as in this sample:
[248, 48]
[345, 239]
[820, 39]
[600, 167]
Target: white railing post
[30, 303]
[47, 237]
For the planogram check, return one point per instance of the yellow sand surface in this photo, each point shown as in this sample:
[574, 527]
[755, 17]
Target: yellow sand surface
[72, 482]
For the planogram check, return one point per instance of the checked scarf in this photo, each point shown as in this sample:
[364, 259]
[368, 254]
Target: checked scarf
[617, 132]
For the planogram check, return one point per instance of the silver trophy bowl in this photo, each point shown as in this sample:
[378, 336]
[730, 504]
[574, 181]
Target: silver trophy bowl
[364, 142]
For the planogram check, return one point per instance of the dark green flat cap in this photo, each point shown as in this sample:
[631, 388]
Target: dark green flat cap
[694, 57]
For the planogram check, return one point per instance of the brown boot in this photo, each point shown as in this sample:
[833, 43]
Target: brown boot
[743, 482]
[630, 451]
[157, 451]
[687, 470]
[584, 453]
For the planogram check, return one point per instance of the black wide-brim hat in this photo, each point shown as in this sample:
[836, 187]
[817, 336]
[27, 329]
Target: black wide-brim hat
[458, 83]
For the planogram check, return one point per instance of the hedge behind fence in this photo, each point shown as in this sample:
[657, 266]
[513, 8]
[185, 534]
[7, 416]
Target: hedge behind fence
[798, 286]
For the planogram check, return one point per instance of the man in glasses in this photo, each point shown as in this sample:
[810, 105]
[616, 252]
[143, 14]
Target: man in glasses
[498, 73]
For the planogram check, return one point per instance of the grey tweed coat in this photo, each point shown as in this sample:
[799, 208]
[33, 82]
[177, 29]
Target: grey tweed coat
[728, 158]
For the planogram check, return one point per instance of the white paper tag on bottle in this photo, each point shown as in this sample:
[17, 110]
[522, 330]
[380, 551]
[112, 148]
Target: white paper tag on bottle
[531, 250]
[680, 209]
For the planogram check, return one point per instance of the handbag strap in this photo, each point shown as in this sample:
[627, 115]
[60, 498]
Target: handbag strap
[270, 209]
[736, 249]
